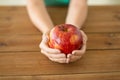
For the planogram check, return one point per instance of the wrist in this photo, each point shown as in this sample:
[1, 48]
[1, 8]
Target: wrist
[47, 29]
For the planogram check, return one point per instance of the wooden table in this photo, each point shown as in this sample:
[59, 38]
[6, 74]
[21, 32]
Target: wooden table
[20, 57]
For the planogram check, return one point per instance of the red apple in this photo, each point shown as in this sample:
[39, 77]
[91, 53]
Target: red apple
[66, 38]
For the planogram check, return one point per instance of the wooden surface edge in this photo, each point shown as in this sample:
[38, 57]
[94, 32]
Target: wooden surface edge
[90, 76]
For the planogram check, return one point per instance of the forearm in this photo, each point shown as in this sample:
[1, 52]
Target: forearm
[39, 15]
[77, 13]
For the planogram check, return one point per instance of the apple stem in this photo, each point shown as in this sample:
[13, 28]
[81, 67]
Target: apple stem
[62, 28]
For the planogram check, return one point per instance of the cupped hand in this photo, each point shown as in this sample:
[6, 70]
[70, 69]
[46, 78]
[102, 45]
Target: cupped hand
[53, 54]
[77, 54]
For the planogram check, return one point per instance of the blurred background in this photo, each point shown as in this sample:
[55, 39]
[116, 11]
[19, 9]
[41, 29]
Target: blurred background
[90, 2]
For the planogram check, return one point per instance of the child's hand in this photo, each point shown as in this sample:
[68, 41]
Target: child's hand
[77, 54]
[53, 54]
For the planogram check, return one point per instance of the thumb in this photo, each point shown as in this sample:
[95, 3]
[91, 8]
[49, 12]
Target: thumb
[45, 37]
[85, 38]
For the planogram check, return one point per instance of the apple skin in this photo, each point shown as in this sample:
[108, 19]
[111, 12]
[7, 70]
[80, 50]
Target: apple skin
[66, 38]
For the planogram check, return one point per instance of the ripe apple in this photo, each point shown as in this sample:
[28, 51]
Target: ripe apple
[66, 38]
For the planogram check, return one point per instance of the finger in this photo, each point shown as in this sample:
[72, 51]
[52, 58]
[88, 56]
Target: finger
[45, 37]
[74, 58]
[62, 60]
[68, 58]
[68, 55]
[85, 38]
[44, 45]
[45, 53]
[80, 52]
[83, 49]
[57, 56]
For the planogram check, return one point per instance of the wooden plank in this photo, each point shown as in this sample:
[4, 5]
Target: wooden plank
[104, 41]
[34, 63]
[93, 76]
[31, 42]
[99, 19]
[15, 20]
[20, 43]
[19, 52]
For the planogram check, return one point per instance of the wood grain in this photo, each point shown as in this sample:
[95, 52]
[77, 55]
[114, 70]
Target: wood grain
[21, 59]
[34, 63]
[31, 42]
[100, 19]
[92, 76]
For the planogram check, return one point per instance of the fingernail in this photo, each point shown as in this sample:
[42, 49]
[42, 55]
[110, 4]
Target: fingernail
[73, 53]
[57, 50]
[68, 55]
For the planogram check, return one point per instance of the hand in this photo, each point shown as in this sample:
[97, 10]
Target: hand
[77, 54]
[53, 54]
